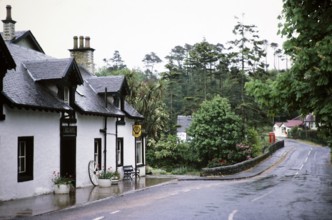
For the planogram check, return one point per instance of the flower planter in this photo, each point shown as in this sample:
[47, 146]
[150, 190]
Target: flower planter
[104, 182]
[62, 189]
[115, 181]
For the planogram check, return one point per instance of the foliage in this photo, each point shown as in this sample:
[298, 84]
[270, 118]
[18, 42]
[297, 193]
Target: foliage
[169, 151]
[216, 162]
[254, 142]
[308, 28]
[57, 179]
[115, 63]
[150, 60]
[146, 96]
[216, 130]
[184, 170]
[116, 175]
[310, 135]
[105, 174]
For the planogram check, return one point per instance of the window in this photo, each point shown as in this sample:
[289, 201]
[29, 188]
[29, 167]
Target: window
[25, 159]
[139, 152]
[66, 95]
[97, 152]
[119, 151]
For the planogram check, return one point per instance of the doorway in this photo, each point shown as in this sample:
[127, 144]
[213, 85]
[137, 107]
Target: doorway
[68, 157]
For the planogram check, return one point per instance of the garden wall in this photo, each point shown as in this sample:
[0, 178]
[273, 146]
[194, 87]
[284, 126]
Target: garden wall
[236, 168]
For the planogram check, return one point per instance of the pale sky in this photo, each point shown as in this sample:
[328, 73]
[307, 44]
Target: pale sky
[138, 27]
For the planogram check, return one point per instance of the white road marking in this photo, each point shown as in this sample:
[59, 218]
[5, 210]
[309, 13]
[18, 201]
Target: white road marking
[174, 194]
[306, 159]
[231, 216]
[99, 218]
[115, 212]
[262, 196]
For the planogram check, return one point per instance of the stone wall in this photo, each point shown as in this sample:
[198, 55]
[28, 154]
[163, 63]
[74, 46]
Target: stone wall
[236, 168]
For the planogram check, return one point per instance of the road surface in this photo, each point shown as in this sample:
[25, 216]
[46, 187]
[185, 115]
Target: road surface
[299, 187]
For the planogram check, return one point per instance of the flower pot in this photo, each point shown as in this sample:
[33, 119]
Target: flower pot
[115, 181]
[61, 189]
[104, 182]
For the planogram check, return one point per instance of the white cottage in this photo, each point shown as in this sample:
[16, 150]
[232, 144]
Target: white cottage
[282, 129]
[55, 115]
[183, 123]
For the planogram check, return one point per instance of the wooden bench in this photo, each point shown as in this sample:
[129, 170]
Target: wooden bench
[129, 172]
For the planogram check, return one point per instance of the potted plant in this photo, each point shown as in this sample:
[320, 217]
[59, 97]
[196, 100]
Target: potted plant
[115, 177]
[105, 178]
[62, 184]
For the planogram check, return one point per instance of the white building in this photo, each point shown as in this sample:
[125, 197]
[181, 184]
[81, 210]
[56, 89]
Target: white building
[183, 123]
[55, 115]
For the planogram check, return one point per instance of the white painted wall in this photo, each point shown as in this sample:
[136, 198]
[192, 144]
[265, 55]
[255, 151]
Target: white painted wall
[88, 128]
[281, 131]
[125, 131]
[44, 127]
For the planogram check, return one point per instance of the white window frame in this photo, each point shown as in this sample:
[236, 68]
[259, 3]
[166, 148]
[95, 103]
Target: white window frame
[66, 96]
[139, 152]
[22, 156]
[119, 151]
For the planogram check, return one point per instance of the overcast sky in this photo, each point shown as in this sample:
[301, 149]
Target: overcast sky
[138, 27]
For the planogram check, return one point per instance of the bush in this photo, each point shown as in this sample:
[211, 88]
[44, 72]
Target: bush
[254, 142]
[169, 152]
[216, 130]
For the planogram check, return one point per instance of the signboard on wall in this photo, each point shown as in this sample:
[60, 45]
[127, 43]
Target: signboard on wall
[69, 131]
[137, 131]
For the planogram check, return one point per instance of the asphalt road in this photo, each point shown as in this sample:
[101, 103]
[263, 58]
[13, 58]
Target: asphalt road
[299, 187]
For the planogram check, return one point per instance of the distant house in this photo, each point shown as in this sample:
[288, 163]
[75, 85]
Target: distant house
[56, 115]
[183, 123]
[281, 129]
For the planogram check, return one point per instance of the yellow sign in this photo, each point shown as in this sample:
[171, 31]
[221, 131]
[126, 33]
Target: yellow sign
[137, 130]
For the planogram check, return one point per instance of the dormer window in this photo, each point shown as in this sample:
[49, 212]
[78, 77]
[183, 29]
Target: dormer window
[66, 95]
[117, 101]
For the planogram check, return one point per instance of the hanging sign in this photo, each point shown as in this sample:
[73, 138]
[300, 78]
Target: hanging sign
[137, 130]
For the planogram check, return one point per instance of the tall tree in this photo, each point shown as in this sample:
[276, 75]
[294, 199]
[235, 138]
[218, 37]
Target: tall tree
[247, 54]
[150, 60]
[308, 28]
[115, 63]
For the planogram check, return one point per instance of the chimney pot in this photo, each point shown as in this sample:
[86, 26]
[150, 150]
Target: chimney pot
[9, 12]
[87, 42]
[81, 42]
[75, 42]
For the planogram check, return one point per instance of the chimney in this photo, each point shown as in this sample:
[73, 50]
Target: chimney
[87, 42]
[83, 54]
[81, 42]
[75, 43]
[9, 25]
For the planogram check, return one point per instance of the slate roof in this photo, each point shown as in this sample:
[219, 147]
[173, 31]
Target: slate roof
[27, 35]
[52, 69]
[132, 112]
[89, 102]
[25, 87]
[293, 123]
[20, 89]
[183, 122]
[90, 96]
[114, 84]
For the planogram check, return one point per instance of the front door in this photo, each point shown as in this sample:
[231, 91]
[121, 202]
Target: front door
[68, 157]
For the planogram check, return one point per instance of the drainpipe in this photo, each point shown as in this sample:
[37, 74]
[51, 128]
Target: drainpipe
[135, 160]
[116, 144]
[105, 131]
